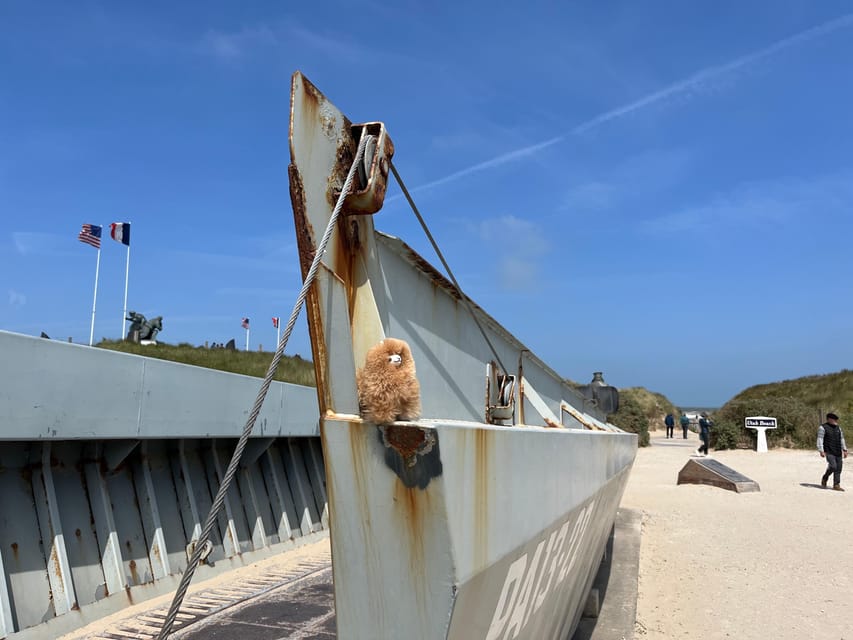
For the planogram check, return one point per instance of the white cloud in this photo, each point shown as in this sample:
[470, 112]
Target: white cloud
[520, 244]
[763, 203]
[16, 298]
[35, 243]
[648, 173]
[684, 90]
[230, 47]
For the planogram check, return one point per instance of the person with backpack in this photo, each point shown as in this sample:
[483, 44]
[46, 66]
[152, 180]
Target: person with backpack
[704, 434]
[669, 421]
[831, 445]
[685, 423]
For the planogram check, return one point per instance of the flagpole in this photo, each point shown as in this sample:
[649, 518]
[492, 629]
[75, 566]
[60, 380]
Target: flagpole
[95, 299]
[247, 338]
[126, 279]
[277, 333]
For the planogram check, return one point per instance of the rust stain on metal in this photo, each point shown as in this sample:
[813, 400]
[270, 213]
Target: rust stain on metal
[412, 453]
[359, 453]
[413, 507]
[304, 233]
[409, 442]
[305, 242]
[344, 155]
[313, 97]
[133, 574]
[482, 499]
[344, 256]
[318, 349]
[15, 550]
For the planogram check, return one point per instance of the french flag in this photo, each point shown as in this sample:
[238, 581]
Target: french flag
[120, 232]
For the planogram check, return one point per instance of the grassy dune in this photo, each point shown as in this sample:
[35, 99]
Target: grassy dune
[250, 363]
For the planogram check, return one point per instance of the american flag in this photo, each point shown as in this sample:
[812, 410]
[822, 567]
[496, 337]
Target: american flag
[91, 235]
[275, 322]
[245, 323]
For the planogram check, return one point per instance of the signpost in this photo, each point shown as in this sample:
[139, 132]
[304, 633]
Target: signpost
[761, 424]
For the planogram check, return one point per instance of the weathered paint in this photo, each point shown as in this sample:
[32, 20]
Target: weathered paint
[434, 522]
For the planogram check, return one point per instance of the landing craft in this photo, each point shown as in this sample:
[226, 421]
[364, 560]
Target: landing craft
[486, 517]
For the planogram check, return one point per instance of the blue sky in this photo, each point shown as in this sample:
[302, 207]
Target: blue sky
[660, 191]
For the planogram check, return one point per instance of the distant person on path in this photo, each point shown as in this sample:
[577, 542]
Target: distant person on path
[704, 434]
[685, 422]
[669, 421]
[830, 443]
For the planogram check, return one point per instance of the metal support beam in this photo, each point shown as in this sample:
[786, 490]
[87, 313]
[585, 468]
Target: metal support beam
[183, 478]
[116, 451]
[298, 479]
[255, 448]
[318, 478]
[158, 555]
[58, 569]
[105, 527]
[7, 626]
[281, 499]
[259, 536]
[230, 539]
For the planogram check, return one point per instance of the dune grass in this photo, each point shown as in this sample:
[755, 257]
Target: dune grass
[292, 369]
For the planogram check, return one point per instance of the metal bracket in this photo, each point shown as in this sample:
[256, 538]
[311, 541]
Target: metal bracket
[369, 195]
[504, 405]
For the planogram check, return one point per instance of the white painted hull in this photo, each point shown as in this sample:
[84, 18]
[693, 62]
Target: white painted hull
[505, 537]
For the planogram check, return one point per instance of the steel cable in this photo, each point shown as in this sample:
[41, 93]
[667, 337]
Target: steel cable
[462, 296]
[166, 629]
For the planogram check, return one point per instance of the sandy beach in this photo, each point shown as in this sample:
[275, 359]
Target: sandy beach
[777, 563]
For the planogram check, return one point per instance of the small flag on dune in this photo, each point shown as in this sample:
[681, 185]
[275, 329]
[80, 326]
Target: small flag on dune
[245, 323]
[120, 232]
[275, 322]
[91, 235]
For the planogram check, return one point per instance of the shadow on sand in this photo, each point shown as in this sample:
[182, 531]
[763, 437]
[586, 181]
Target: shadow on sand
[812, 485]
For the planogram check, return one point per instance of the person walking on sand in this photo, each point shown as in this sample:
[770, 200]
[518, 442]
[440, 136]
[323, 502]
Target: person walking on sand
[704, 434]
[669, 421]
[830, 443]
[685, 422]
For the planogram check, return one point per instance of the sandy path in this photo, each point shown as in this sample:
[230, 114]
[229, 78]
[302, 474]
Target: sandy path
[775, 564]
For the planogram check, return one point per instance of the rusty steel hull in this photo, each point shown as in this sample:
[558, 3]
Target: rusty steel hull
[449, 527]
[495, 533]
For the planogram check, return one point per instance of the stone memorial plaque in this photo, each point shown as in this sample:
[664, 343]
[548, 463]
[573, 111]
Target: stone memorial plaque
[716, 474]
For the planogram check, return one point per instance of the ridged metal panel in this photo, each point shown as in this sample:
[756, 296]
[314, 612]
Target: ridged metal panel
[75, 533]
[109, 465]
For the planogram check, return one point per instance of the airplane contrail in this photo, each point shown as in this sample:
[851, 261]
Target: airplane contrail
[676, 88]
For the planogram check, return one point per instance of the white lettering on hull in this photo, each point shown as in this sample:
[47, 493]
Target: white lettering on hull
[526, 585]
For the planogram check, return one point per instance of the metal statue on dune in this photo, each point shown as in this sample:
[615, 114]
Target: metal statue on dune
[143, 329]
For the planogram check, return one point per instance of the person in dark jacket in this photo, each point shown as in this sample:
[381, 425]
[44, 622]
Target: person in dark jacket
[830, 443]
[669, 421]
[685, 423]
[704, 434]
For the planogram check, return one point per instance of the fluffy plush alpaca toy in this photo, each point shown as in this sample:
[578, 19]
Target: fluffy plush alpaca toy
[387, 387]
